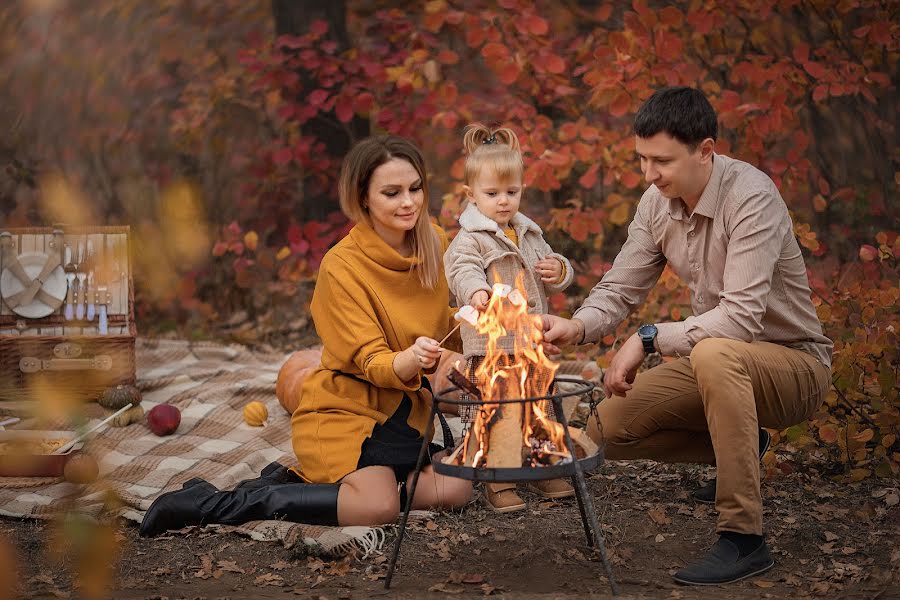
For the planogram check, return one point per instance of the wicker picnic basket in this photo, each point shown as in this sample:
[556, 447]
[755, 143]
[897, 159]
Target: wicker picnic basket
[67, 326]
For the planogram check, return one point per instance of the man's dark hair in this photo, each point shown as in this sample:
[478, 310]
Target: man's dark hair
[682, 112]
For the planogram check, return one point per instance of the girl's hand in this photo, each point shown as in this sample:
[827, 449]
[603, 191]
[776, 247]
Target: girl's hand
[549, 269]
[480, 300]
[426, 352]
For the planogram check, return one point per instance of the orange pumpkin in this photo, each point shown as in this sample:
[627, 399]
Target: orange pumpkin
[292, 375]
[256, 414]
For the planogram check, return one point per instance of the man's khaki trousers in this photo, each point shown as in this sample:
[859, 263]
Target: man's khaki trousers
[708, 409]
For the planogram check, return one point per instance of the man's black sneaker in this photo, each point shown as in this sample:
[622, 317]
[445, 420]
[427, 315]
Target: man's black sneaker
[723, 564]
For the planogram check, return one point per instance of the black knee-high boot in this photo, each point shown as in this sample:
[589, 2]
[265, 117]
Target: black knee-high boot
[272, 473]
[200, 503]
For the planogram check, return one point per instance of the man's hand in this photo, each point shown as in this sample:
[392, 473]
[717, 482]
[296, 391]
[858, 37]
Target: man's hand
[560, 332]
[620, 374]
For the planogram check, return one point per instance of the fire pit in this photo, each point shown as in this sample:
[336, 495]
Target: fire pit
[533, 468]
[520, 431]
[579, 458]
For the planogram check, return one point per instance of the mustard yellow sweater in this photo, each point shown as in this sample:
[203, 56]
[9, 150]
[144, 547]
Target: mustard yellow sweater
[368, 306]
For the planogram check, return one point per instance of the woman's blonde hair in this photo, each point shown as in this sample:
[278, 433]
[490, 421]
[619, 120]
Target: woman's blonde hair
[497, 149]
[353, 188]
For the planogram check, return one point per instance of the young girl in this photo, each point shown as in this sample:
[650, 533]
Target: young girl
[497, 243]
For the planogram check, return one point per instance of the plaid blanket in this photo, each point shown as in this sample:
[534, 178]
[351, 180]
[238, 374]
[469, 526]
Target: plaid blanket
[210, 384]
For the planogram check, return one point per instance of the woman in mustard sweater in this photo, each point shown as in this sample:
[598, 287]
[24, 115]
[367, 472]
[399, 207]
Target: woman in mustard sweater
[381, 302]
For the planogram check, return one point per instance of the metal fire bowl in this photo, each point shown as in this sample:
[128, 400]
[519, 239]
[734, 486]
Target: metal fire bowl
[516, 474]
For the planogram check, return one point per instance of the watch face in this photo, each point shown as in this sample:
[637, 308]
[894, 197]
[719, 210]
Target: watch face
[647, 331]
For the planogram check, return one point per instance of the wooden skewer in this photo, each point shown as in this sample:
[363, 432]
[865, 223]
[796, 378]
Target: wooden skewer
[446, 337]
[451, 458]
[68, 445]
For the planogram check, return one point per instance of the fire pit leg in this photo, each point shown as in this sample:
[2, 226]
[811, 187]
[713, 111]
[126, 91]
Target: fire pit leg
[584, 519]
[409, 498]
[584, 496]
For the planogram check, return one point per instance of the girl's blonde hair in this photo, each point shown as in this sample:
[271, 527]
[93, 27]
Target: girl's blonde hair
[353, 188]
[494, 148]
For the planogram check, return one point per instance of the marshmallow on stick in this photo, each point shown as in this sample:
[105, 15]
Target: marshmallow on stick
[465, 314]
[502, 290]
[516, 298]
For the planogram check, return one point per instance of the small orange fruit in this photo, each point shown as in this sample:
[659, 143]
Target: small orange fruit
[81, 468]
[256, 414]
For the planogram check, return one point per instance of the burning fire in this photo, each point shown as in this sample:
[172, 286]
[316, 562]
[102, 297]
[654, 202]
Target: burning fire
[514, 366]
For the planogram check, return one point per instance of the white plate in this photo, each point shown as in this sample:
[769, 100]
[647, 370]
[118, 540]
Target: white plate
[55, 285]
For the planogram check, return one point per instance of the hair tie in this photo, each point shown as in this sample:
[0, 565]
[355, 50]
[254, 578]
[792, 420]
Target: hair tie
[489, 140]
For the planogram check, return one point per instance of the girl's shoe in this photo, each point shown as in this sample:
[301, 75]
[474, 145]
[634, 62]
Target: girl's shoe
[503, 501]
[553, 488]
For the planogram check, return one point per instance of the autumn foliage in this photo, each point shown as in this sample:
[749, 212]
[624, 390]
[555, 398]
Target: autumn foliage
[258, 123]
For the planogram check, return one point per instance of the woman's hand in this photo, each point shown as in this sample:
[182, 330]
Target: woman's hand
[480, 300]
[426, 351]
[549, 269]
[423, 355]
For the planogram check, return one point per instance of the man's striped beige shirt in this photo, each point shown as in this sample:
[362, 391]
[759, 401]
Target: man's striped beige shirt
[736, 252]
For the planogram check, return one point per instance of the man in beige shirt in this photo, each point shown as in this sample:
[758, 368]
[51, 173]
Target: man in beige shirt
[752, 355]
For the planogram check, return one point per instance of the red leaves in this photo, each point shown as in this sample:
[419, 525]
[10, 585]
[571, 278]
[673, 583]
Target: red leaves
[701, 21]
[508, 72]
[343, 109]
[532, 24]
[448, 57]
[868, 253]
[620, 104]
[671, 16]
[495, 51]
[815, 69]
[589, 179]
[317, 98]
[282, 156]
[820, 92]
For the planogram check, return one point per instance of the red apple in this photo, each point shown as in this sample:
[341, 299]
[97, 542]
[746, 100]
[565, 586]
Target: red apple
[163, 419]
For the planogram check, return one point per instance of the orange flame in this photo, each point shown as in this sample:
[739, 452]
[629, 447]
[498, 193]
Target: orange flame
[514, 367]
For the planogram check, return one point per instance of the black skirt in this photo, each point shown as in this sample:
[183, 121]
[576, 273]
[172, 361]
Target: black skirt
[396, 444]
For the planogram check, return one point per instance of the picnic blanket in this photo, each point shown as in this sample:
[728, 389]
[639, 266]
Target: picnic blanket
[210, 384]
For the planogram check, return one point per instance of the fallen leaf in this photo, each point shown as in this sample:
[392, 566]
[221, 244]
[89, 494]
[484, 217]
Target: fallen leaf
[230, 566]
[658, 515]
[660, 538]
[280, 565]
[892, 499]
[206, 568]
[269, 579]
[830, 537]
[763, 583]
[315, 564]
[339, 568]
[487, 589]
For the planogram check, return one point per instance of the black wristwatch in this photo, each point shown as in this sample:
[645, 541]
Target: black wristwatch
[647, 333]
